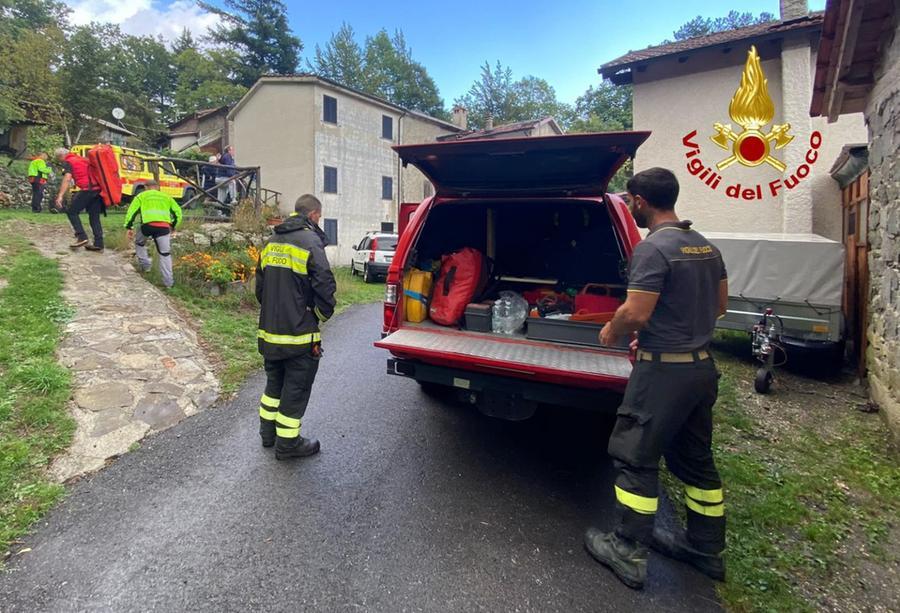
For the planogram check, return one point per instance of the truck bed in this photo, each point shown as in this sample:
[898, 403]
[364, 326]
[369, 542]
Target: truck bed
[513, 355]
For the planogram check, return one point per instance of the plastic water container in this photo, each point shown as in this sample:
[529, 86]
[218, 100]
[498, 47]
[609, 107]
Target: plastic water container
[508, 313]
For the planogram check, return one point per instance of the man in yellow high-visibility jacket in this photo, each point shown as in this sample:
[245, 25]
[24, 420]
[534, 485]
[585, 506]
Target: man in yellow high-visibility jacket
[38, 172]
[160, 214]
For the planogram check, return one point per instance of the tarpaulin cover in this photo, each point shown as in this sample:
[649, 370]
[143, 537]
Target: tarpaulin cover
[796, 268]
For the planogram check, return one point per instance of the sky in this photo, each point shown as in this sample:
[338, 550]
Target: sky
[563, 42]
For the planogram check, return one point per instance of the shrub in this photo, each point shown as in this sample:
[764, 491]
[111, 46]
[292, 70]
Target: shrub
[221, 268]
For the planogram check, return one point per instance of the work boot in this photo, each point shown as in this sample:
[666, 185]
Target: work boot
[267, 432]
[79, 242]
[94, 248]
[674, 544]
[299, 448]
[626, 558]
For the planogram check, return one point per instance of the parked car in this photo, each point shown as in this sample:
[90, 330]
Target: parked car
[373, 255]
[538, 209]
[137, 167]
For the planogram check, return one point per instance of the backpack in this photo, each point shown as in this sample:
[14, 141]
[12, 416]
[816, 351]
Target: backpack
[463, 275]
[104, 174]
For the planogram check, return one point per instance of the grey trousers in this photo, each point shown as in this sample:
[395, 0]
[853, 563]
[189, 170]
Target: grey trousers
[163, 239]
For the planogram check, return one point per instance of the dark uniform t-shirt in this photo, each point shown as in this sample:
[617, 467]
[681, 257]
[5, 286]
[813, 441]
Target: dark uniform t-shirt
[681, 266]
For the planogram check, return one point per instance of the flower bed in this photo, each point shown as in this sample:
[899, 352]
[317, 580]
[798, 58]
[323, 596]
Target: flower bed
[219, 271]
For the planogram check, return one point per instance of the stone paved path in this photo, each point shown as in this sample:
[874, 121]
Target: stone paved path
[136, 363]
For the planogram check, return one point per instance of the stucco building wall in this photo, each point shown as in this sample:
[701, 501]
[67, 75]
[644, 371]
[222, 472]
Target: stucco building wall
[279, 126]
[673, 98]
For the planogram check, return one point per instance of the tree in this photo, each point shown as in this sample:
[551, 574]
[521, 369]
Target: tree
[490, 96]
[203, 81]
[258, 30]
[184, 42]
[392, 73]
[534, 98]
[341, 60]
[604, 108]
[701, 26]
[496, 95]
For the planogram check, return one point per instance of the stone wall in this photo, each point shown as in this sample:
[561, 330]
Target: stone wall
[209, 236]
[883, 355]
[15, 191]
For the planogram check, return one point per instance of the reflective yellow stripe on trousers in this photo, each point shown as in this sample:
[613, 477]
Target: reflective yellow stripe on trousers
[287, 427]
[639, 504]
[694, 499]
[266, 406]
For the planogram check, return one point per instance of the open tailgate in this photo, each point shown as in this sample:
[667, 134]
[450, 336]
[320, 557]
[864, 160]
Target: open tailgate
[548, 362]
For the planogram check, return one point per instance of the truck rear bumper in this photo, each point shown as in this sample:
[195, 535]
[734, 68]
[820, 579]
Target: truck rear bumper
[504, 397]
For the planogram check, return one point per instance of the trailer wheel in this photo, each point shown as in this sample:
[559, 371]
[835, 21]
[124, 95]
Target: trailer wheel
[763, 381]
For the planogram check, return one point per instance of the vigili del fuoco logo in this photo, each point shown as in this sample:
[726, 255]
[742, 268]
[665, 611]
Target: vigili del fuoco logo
[752, 109]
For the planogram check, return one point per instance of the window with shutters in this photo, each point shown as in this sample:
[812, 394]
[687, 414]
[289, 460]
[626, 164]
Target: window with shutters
[387, 127]
[331, 231]
[329, 109]
[387, 188]
[330, 180]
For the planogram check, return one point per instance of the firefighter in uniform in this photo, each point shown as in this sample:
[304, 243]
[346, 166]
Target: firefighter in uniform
[677, 287]
[295, 289]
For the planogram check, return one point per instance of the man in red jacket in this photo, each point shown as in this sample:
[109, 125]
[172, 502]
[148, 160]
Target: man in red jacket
[77, 171]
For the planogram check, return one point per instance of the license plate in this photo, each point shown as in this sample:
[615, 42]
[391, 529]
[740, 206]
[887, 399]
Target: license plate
[388, 258]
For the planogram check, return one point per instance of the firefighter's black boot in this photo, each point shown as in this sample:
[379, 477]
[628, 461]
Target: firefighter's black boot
[267, 432]
[674, 544]
[626, 558]
[287, 448]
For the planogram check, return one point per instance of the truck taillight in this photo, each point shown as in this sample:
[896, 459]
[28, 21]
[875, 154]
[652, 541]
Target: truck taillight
[390, 294]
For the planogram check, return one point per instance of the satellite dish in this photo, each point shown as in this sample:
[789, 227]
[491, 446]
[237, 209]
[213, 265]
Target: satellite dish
[118, 113]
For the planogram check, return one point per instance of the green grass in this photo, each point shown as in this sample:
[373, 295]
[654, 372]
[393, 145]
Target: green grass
[795, 502]
[228, 323]
[34, 389]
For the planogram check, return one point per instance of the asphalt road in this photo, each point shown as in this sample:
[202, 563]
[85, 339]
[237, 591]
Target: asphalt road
[414, 504]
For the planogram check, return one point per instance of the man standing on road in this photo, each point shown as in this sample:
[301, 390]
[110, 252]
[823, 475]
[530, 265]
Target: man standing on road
[75, 169]
[677, 287]
[38, 172]
[295, 289]
[160, 215]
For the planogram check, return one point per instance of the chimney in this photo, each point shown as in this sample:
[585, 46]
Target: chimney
[489, 123]
[460, 117]
[793, 9]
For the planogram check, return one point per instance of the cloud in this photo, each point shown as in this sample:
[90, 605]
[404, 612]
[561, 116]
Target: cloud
[144, 17]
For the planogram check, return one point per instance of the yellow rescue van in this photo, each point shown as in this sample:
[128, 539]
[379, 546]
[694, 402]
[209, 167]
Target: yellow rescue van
[137, 167]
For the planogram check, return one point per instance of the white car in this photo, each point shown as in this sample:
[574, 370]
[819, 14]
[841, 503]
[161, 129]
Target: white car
[372, 256]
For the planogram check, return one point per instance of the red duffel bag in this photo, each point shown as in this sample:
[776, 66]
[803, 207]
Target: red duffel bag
[463, 274]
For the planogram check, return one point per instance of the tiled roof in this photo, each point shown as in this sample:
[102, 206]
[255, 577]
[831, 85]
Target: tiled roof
[507, 128]
[811, 21]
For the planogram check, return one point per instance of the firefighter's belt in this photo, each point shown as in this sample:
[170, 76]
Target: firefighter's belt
[673, 358]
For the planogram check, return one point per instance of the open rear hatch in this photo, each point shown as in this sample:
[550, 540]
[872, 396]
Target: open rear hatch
[565, 165]
[543, 361]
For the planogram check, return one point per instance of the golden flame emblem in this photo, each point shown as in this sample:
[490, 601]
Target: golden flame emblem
[751, 108]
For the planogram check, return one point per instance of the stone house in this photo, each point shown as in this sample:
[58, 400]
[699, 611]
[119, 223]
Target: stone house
[858, 70]
[684, 88]
[207, 129]
[312, 135]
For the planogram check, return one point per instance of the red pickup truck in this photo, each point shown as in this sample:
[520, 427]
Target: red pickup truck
[538, 209]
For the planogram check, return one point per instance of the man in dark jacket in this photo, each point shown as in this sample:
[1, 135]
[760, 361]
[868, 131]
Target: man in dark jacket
[295, 289]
